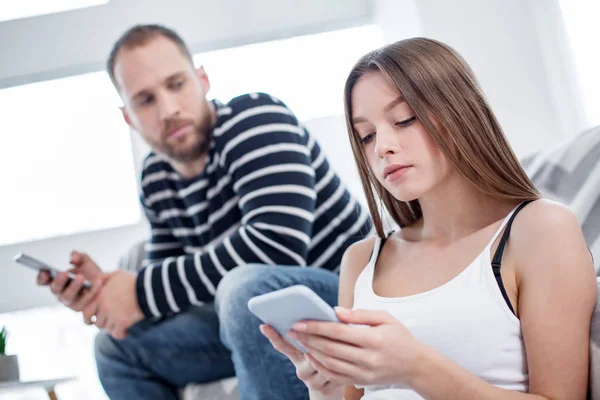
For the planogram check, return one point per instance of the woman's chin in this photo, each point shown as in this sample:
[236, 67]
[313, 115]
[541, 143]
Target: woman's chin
[404, 196]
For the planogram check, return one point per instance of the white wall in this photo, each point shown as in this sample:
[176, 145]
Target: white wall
[499, 39]
[399, 19]
[560, 65]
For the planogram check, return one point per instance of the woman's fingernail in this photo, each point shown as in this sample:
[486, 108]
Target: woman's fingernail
[300, 326]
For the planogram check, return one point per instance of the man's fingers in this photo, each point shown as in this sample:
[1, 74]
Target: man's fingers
[116, 330]
[110, 326]
[82, 264]
[119, 332]
[43, 278]
[58, 283]
[86, 296]
[75, 258]
[101, 322]
[78, 258]
[281, 345]
[71, 293]
[89, 312]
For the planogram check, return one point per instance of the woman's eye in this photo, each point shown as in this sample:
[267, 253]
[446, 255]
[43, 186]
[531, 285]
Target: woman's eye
[406, 122]
[367, 138]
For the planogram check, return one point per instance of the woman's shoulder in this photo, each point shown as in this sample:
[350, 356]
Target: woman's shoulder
[544, 218]
[546, 231]
[356, 257]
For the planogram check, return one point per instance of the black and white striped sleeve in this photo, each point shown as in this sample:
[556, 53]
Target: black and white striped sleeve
[162, 243]
[274, 184]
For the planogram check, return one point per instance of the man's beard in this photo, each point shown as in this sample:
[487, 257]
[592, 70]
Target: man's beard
[201, 141]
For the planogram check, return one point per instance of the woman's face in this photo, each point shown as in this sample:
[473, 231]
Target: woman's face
[399, 151]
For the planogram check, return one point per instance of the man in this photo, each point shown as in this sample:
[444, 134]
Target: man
[241, 200]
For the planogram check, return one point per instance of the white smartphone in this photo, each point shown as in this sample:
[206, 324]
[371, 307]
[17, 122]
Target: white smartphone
[283, 308]
[38, 265]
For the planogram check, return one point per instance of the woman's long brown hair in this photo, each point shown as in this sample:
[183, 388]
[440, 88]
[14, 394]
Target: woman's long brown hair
[437, 83]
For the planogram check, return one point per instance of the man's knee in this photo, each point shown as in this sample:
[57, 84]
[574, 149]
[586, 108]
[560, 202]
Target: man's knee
[105, 348]
[238, 286]
[234, 291]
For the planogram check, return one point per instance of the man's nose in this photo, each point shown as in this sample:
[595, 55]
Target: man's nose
[168, 107]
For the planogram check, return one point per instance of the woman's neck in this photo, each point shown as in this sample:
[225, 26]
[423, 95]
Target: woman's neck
[457, 209]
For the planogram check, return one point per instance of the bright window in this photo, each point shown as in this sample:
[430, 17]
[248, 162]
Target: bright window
[306, 72]
[581, 21]
[66, 159]
[29, 8]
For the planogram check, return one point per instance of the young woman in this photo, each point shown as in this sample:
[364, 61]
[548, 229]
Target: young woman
[486, 291]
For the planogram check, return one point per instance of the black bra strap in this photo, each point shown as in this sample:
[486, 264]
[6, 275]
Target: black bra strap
[497, 260]
[380, 248]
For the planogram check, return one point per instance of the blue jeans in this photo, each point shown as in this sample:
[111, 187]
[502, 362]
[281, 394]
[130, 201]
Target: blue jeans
[210, 342]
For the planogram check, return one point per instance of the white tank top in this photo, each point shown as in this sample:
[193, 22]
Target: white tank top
[466, 319]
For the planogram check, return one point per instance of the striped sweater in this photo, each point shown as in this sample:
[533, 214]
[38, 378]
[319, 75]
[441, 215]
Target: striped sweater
[267, 195]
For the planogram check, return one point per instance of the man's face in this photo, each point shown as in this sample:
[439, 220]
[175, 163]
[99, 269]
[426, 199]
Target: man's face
[165, 99]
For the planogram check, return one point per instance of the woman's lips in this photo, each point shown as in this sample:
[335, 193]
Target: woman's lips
[395, 172]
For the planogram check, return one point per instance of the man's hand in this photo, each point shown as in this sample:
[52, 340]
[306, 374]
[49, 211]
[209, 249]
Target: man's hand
[84, 265]
[71, 292]
[116, 308]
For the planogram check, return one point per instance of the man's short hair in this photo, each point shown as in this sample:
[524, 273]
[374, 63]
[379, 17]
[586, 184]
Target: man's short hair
[140, 35]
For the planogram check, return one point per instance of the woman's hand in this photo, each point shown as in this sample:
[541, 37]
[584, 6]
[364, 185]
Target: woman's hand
[380, 353]
[319, 386]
